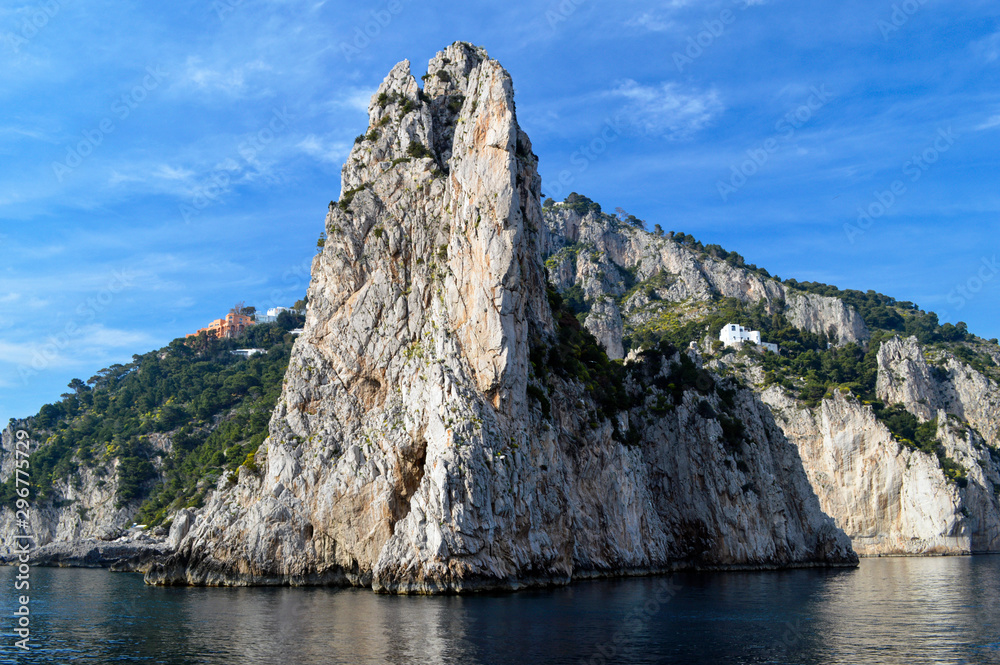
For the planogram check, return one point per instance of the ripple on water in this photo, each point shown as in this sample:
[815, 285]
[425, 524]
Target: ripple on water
[907, 611]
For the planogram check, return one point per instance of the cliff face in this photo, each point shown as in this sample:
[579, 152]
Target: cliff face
[823, 314]
[83, 506]
[905, 377]
[407, 452]
[891, 498]
[888, 498]
[601, 256]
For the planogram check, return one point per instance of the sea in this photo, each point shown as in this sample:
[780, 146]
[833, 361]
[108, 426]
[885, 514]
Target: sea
[887, 611]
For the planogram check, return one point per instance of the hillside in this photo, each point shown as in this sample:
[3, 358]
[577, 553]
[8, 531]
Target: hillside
[136, 442]
[915, 402]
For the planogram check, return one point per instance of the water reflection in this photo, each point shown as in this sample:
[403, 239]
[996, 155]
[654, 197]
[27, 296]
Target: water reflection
[889, 611]
[914, 610]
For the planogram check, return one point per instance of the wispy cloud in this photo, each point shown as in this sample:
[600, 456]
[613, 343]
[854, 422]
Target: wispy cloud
[989, 48]
[667, 109]
[100, 338]
[670, 16]
[27, 132]
[86, 346]
[117, 178]
[236, 81]
[651, 22]
[356, 99]
[989, 123]
[167, 172]
[325, 150]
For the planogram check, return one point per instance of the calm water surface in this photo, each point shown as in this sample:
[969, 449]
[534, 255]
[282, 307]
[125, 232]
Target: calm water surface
[906, 611]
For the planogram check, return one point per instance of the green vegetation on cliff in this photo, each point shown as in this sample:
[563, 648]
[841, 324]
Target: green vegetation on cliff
[169, 423]
[882, 312]
[809, 366]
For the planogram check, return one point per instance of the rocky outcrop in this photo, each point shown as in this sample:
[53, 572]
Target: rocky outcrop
[407, 452]
[825, 315]
[80, 523]
[79, 507]
[980, 495]
[135, 551]
[8, 454]
[596, 251]
[888, 497]
[604, 321]
[905, 377]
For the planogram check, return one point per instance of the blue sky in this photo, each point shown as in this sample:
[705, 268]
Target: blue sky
[163, 161]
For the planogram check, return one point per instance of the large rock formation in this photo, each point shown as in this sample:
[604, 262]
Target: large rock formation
[420, 444]
[887, 496]
[823, 314]
[905, 377]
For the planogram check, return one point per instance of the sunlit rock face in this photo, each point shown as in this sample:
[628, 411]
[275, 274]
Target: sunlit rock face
[887, 496]
[407, 452]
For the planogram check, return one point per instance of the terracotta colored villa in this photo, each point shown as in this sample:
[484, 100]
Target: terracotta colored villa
[231, 326]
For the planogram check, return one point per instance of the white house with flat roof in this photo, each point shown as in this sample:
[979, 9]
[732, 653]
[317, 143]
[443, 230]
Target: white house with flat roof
[735, 335]
[246, 353]
[272, 314]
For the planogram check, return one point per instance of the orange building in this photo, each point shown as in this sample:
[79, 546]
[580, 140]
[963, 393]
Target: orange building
[231, 326]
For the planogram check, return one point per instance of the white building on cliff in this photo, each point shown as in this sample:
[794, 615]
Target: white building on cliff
[272, 314]
[734, 335]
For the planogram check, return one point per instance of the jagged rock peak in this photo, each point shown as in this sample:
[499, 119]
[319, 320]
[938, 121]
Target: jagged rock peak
[422, 445]
[458, 80]
[449, 176]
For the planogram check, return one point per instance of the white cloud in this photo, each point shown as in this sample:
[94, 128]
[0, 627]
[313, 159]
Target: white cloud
[27, 132]
[167, 172]
[990, 123]
[356, 99]
[117, 178]
[988, 48]
[668, 110]
[74, 347]
[648, 21]
[324, 150]
[230, 81]
[662, 21]
[99, 337]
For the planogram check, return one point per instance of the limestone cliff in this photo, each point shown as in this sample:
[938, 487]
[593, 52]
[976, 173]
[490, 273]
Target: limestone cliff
[888, 496]
[891, 499]
[81, 507]
[422, 443]
[906, 377]
[602, 255]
